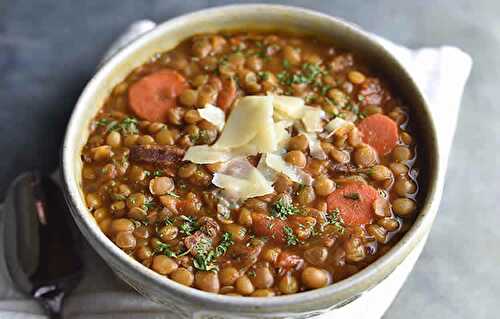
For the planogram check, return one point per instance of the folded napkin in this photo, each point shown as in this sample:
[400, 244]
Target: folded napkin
[441, 73]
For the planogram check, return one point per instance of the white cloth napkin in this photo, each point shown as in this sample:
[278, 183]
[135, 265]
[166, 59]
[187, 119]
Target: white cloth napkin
[440, 72]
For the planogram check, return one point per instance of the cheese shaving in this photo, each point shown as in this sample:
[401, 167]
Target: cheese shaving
[245, 121]
[242, 180]
[312, 119]
[295, 174]
[290, 107]
[214, 115]
[315, 148]
[204, 154]
[282, 135]
[251, 121]
[335, 125]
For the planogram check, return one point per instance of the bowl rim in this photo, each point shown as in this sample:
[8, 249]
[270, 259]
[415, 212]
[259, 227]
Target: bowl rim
[356, 283]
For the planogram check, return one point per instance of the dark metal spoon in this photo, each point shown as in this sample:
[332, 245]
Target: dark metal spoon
[39, 242]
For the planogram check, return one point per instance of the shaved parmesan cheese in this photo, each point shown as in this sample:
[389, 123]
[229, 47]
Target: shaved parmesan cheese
[204, 154]
[312, 119]
[269, 173]
[281, 133]
[241, 180]
[214, 115]
[315, 148]
[336, 124]
[295, 174]
[248, 117]
[265, 140]
[289, 107]
[238, 167]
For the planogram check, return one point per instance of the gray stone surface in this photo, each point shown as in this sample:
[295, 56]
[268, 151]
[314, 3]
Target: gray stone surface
[48, 50]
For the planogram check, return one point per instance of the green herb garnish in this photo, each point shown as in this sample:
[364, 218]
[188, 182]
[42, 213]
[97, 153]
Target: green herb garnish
[164, 249]
[129, 126]
[291, 239]
[126, 126]
[224, 244]
[173, 194]
[334, 218]
[308, 74]
[309, 98]
[353, 196]
[263, 75]
[203, 262]
[189, 226]
[284, 208]
[157, 173]
[286, 64]
[149, 203]
[204, 258]
[324, 89]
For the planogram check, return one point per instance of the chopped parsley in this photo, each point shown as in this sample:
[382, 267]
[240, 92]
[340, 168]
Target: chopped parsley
[291, 239]
[149, 203]
[106, 123]
[353, 107]
[173, 194]
[284, 208]
[353, 196]
[310, 98]
[309, 73]
[126, 126]
[334, 218]
[204, 262]
[224, 244]
[157, 173]
[324, 89]
[165, 249]
[129, 126]
[169, 220]
[189, 226]
[204, 258]
[263, 75]
[286, 64]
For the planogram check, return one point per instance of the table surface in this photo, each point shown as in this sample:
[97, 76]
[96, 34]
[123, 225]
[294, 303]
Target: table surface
[49, 49]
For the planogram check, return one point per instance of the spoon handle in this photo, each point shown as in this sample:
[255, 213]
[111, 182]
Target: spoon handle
[134, 31]
[51, 298]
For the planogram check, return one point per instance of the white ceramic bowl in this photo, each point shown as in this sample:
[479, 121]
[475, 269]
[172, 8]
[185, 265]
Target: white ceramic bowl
[184, 301]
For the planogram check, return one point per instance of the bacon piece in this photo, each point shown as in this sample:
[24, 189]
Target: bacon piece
[156, 154]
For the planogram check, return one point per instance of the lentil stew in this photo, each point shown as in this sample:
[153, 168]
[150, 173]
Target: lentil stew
[252, 164]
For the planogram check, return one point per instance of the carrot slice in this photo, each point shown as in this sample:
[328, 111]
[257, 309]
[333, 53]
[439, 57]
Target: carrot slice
[379, 131]
[273, 228]
[227, 95]
[154, 94]
[355, 203]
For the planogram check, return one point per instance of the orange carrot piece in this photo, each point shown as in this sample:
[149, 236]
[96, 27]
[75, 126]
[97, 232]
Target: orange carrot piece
[354, 202]
[379, 131]
[227, 95]
[152, 96]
